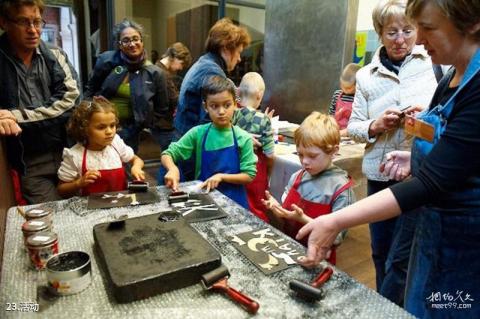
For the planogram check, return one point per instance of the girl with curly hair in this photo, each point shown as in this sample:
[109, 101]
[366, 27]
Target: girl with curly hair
[95, 163]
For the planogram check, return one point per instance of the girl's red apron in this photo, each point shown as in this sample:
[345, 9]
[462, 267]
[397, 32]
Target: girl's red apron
[256, 188]
[110, 180]
[311, 209]
[343, 110]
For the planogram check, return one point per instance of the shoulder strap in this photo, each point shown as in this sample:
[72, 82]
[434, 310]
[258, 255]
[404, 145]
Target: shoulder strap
[298, 179]
[437, 70]
[342, 189]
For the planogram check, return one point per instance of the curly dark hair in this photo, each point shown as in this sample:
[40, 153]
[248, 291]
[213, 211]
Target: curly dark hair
[180, 51]
[78, 123]
[125, 23]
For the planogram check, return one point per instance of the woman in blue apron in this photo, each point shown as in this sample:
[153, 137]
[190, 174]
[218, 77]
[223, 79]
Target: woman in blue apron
[443, 277]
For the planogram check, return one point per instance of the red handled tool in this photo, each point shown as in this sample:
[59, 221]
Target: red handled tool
[311, 291]
[217, 279]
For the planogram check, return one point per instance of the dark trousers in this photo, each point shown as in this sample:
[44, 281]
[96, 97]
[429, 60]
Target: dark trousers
[39, 184]
[186, 168]
[391, 242]
[130, 134]
[162, 137]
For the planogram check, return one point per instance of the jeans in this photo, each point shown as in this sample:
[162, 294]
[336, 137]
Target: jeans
[396, 266]
[39, 184]
[391, 242]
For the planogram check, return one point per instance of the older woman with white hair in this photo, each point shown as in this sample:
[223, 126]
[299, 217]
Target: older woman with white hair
[443, 276]
[400, 75]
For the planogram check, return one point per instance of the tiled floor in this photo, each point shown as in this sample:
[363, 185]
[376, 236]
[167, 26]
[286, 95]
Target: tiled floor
[353, 256]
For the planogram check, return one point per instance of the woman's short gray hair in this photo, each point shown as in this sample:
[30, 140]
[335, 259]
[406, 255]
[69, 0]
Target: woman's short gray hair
[384, 10]
[119, 27]
[464, 14]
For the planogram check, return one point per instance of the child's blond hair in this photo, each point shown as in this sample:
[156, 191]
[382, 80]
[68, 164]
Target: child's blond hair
[80, 119]
[318, 130]
[349, 73]
[251, 85]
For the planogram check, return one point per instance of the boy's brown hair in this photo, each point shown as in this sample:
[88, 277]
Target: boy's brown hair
[78, 123]
[8, 6]
[318, 130]
[225, 34]
[218, 84]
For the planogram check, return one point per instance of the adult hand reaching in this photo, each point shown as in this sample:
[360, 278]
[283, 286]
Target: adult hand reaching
[321, 233]
[397, 166]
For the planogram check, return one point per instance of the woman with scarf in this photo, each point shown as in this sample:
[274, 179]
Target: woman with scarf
[400, 75]
[136, 87]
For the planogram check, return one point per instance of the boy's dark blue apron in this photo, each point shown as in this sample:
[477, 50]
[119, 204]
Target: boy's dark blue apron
[227, 161]
[445, 262]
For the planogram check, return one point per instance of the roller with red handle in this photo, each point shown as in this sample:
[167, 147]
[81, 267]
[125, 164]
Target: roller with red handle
[217, 279]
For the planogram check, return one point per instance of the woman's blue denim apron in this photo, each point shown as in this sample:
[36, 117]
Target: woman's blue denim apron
[444, 271]
[227, 161]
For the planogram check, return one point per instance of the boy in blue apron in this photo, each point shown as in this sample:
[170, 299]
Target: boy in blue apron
[224, 157]
[318, 188]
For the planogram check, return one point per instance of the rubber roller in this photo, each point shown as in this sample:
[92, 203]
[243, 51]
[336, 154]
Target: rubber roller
[217, 279]
[311, 292]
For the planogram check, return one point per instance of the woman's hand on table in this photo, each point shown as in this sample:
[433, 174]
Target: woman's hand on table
[397, 166]
[321, 233]
[212, 182]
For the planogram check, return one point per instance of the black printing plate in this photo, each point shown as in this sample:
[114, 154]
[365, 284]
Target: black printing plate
[153, 254]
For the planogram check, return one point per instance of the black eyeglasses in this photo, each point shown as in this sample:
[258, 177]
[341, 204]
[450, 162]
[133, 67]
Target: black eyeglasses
[126, 41]
[26, 23]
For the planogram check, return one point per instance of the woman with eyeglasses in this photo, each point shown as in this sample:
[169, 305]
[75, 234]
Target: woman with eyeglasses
[136, 87]
[400, 75]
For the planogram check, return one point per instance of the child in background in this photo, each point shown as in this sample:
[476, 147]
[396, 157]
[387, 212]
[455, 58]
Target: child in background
[342, 100]
[258, 124]
[224, 157]
[319, 187]
[95, 163]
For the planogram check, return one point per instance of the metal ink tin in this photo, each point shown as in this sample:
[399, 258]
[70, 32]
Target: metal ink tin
[41, 246]
[69, 273]
[33, 226]
[39, 213]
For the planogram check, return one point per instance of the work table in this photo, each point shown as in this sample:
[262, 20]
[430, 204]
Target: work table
[343, 296]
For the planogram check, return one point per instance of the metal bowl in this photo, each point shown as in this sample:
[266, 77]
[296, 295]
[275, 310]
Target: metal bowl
[69, 273]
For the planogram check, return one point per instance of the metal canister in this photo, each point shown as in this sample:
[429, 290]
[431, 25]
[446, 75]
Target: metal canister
[69, 273]
[33, 226]
[41, 246]
[39, 213]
